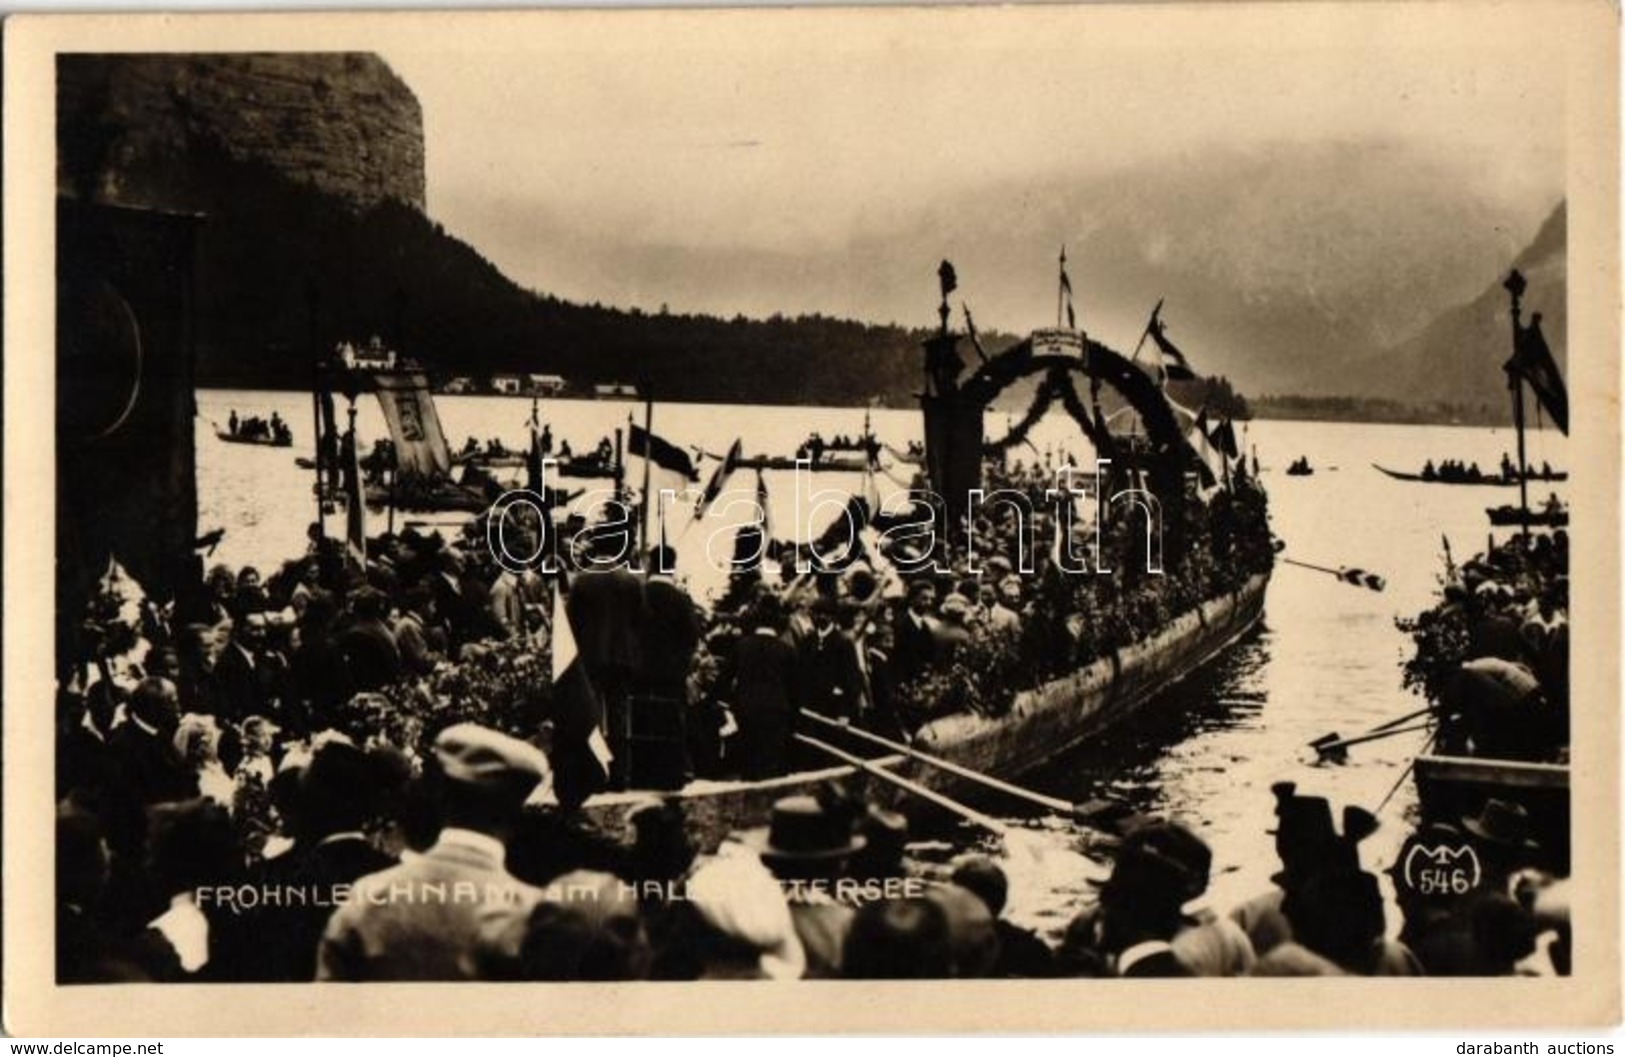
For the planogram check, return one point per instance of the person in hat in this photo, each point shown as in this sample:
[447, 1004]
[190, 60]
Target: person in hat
[1021, 952]
[453, 912]
[1304, 836]
[608, 616]
[1004, 615]
[759, 684]
[1503, 711]
[914, 638]
[1501, 835]
[190, 848]
[973, 938]
[899, 939]
[1210, 944]
[371, 654]
[1140, 912]
[733, 924]
[832, 680]
[809, 846]
[334, 796]
[589, 927]
[953, 631]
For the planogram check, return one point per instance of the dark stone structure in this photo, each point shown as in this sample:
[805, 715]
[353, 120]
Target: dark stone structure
[132, 127]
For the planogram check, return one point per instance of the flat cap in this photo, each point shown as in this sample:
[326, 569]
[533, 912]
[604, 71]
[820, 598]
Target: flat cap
[480, 756]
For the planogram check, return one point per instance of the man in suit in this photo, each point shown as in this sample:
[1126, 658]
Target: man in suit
[670, 635]
[370, 653]
[454, 912]
[607, 615]
[833, 681]
[1140, 912]
[238, 684]
[914, 638]
[760, 683]
[336, 795]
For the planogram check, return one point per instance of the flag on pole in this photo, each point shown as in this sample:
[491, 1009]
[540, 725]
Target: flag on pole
[719, 479]
[975, 339]
[355, 522]
[1066, 294]
[581, 755]
[1173, 365]
[1532, 360]
[949, 280]
[1224, 438]
[663, 453]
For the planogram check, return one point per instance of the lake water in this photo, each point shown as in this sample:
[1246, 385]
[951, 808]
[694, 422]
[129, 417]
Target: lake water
[1326, 659]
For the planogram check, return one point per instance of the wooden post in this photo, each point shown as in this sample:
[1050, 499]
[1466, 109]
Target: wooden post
[648, 448]
[1515, 286]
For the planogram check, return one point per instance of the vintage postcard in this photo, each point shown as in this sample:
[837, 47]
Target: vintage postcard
[602, 511]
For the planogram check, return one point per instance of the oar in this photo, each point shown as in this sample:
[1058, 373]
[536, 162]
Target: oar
[1337, 748]
[964, 811]
[1017, 842]
[1358, 577]
[1053, 803]
[1329, 739]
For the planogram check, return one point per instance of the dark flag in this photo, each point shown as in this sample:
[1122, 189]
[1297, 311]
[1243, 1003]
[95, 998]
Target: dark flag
[355, 523]
[1066, 292]
[580, 755]
[1224, 438]
[663, 453]
[1174, 364]
[950, 281]
[719, 479]
[1533, 361]
[975, 339]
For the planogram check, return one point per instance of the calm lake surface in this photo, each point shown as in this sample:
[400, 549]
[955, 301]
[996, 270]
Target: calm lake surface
[1327, 658]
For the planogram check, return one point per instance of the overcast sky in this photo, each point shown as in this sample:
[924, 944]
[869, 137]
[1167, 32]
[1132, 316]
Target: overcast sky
[585, 137]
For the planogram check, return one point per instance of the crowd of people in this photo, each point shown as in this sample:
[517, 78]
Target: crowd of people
[376, 869]
[1494, 652]
[340, 772]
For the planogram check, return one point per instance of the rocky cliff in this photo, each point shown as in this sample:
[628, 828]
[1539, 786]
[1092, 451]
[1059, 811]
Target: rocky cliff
[1458, 356]
[133, 128]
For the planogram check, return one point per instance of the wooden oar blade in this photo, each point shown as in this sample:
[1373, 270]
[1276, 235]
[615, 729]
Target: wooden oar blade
[1330, 747]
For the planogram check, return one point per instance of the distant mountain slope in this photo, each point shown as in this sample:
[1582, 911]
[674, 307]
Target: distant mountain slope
[1458, 356]
[1284, 267]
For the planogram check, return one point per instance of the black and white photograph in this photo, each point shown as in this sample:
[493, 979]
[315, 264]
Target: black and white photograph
[1018, 495]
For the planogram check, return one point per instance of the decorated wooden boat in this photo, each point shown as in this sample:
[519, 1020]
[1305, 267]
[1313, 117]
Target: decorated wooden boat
[1041, 723]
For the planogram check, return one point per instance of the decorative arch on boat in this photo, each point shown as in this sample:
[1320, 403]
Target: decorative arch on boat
[1169, 451]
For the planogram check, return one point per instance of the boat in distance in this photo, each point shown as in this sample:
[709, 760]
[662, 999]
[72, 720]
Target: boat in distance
[1490, 480]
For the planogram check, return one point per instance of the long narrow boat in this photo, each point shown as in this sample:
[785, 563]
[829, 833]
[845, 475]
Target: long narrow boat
[1041, 722]
[826, 464]
[1486, 480]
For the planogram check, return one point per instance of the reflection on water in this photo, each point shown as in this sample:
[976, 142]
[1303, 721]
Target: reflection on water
[1326, 659]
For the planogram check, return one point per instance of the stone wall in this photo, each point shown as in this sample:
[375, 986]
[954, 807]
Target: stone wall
[140, 129]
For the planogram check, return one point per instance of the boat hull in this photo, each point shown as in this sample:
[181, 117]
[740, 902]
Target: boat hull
[254, 442]
[1451, 788]
[1040, 724]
